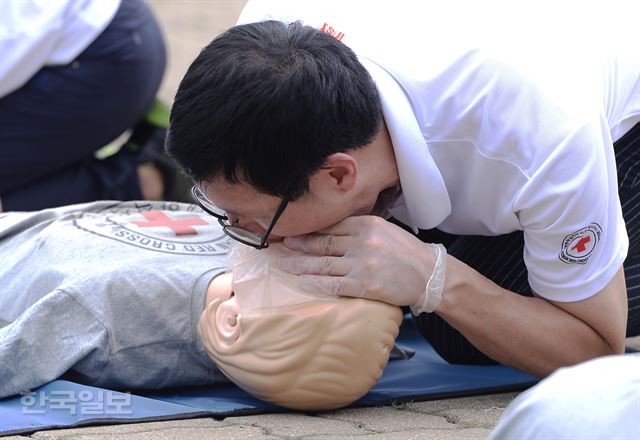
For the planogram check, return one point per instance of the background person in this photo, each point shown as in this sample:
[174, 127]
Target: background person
[598, 399]
[74, 76]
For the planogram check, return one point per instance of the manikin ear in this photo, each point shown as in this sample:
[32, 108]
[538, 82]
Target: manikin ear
[340, 171]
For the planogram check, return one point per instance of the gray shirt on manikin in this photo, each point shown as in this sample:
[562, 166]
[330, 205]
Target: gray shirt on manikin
[109, 292]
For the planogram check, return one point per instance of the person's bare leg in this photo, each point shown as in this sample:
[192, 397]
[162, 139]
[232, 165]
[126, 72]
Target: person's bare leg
[151, 182]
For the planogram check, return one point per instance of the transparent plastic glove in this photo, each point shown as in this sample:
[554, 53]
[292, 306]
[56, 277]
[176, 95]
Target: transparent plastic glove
[362, 257]
[432, 295]
[259, 285]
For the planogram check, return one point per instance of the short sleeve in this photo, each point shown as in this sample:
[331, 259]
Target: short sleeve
[575, 236]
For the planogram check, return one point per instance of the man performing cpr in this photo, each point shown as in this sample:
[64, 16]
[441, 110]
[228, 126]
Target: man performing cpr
[316, 121]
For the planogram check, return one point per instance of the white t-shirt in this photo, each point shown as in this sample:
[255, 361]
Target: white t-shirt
[38, 33]
[598, 399]
[501, 121]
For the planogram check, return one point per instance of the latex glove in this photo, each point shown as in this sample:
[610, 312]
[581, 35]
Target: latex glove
[363, 257]
[432, 295]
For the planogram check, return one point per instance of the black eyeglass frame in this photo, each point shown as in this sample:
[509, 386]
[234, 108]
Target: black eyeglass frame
[237, 233]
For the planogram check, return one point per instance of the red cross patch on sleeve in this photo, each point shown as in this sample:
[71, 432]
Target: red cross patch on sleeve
[578, 247]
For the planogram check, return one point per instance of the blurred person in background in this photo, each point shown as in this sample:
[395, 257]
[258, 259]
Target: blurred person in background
[74, 76]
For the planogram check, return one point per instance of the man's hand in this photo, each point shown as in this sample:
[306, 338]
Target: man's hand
[364, 257]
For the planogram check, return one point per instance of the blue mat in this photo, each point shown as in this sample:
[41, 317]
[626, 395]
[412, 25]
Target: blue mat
[425, 376]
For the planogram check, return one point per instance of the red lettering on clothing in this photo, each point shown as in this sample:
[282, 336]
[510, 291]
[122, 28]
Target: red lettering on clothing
[331, 31]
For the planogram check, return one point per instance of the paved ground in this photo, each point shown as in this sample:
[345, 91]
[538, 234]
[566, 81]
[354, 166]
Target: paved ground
[188, 26]
[466, 418]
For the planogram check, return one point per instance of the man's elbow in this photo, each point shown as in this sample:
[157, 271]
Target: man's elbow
[603, 318]
[615, 345]
[605, 345]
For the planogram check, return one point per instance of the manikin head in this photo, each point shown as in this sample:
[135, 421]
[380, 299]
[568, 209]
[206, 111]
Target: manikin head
[269, 110]
[290, 348]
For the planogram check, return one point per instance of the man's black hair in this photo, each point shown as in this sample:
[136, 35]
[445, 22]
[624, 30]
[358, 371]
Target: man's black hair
[266, 103]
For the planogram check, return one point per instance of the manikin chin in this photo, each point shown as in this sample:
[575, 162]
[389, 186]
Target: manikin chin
[290, 347]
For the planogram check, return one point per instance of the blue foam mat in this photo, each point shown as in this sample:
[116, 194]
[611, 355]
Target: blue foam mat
[64, 404]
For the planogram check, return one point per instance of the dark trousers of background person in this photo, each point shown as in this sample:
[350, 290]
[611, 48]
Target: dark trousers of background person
[500, 259]
[51, 127]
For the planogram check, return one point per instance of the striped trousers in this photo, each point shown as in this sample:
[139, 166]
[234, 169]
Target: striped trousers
[500, 259]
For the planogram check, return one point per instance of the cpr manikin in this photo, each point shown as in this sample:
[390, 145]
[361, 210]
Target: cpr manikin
[290, 347]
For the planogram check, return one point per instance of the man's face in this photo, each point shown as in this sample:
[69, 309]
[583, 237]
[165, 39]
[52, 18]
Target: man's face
[312, 212]
[348, 184]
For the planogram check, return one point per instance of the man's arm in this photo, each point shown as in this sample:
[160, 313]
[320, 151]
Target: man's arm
[369, 257]
[533, 334]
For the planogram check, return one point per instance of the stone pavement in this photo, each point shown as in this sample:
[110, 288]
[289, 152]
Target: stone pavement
[455, 419]
[188, 26]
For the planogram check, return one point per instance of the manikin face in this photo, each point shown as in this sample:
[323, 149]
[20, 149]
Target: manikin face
[290, 347]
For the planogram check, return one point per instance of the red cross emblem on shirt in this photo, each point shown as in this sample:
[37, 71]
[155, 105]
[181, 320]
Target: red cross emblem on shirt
[580, 245]
[182, 226]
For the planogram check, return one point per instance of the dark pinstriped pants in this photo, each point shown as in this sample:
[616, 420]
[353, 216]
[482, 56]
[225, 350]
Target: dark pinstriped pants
[52, 125]
[500, 259]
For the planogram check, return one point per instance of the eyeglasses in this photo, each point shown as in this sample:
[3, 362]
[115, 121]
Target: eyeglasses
[242, 235]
